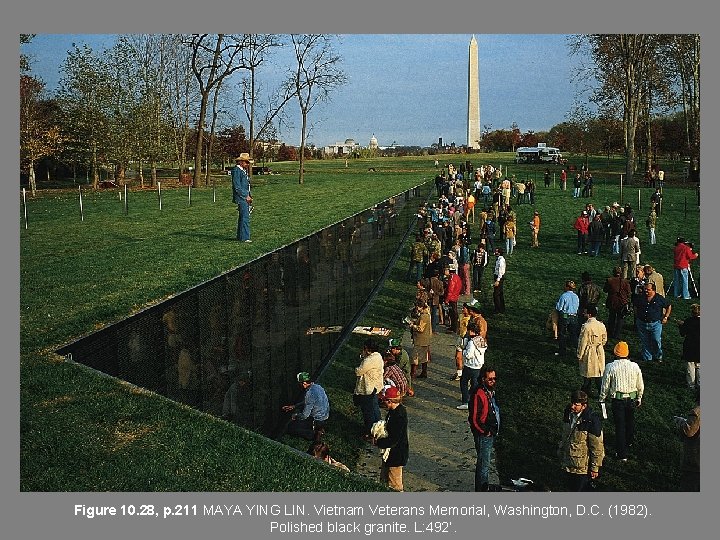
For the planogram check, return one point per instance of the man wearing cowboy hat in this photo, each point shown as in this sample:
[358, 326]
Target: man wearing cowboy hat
[241, 195]
[622, 382]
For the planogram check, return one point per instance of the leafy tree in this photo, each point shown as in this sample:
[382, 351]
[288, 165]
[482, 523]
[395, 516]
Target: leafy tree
[622, 64]
[153, 65]
[83, 94]
[683, 51]
[287, 153]
[316, 73]
[39, 136]
[516, 135]
[24, 59]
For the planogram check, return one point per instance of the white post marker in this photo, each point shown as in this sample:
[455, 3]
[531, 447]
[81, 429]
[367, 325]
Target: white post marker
[82, 216]
[126, 204]
[159, 195]
[189, 200]
[25, 208]
[621, 186]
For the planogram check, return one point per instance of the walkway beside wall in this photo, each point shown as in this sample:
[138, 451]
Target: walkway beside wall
[442, 451]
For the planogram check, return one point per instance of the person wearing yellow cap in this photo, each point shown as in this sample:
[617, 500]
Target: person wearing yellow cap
[622, 383]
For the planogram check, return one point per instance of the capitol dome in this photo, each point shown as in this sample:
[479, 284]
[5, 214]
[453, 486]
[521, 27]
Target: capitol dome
[373, 142]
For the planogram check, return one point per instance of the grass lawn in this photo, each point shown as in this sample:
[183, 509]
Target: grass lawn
[81, 431]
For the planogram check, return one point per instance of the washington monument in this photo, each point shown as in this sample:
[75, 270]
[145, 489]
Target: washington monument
[473, 122]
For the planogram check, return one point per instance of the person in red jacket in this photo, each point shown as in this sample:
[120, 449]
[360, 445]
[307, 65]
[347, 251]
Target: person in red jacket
[484, 419]
[683, 254]
[453, 286]
[581, 225]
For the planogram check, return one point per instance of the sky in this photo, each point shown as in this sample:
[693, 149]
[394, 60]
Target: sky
[408, 89]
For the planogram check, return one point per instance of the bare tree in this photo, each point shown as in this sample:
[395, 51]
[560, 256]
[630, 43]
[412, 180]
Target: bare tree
[316, 74]
[214, 58]
[684, 52]
[182, 96]
[261, 116]
[622, 65]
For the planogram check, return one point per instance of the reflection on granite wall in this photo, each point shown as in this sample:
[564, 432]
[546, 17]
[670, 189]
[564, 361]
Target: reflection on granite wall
[232, 346]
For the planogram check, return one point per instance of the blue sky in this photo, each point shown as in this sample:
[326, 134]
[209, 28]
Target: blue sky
[411, 89]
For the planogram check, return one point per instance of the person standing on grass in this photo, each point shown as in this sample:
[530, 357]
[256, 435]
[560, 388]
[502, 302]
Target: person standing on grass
[591, 350]
[651, 223]
[581, 448]
[535, 229]
[453, 286]
[484, 419]
[581, 225]
[418, 255]
[596, 235]
[689, 429]
[479, 262]
[618, 296]
[653, 276]
[567, 308]
[499, 282]
[629, 253]
[683, 254]
[690, 330]
[241, 195]
[652, 311]
[396, 425]
[622, 383]
[510, 230]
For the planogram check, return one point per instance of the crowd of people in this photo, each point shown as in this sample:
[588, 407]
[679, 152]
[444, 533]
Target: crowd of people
[472, 226]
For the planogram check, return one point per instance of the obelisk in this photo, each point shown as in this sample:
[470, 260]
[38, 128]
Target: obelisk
[473, 122]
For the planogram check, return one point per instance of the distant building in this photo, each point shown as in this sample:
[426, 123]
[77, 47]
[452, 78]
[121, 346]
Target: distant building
[373, 143]
[342, 149]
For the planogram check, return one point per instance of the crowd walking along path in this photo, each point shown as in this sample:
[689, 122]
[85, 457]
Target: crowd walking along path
[442, 449]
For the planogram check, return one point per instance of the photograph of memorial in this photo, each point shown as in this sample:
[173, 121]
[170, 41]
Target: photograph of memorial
[308, 263]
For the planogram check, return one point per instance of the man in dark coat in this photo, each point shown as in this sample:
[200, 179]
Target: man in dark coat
[484, 419]
[396, 425]
[690, 330]
[618, 296]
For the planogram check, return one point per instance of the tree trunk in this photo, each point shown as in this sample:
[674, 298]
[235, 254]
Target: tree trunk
[96, 173]
[302, 147]
[33, 184]
[199, 142]
[153, 172]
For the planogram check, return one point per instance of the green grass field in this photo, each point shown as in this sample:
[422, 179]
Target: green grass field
[81, 431]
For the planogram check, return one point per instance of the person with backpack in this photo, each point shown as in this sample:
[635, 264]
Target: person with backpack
[473, 355]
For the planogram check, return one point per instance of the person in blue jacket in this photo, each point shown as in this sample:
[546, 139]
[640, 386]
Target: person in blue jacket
[241, 195]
